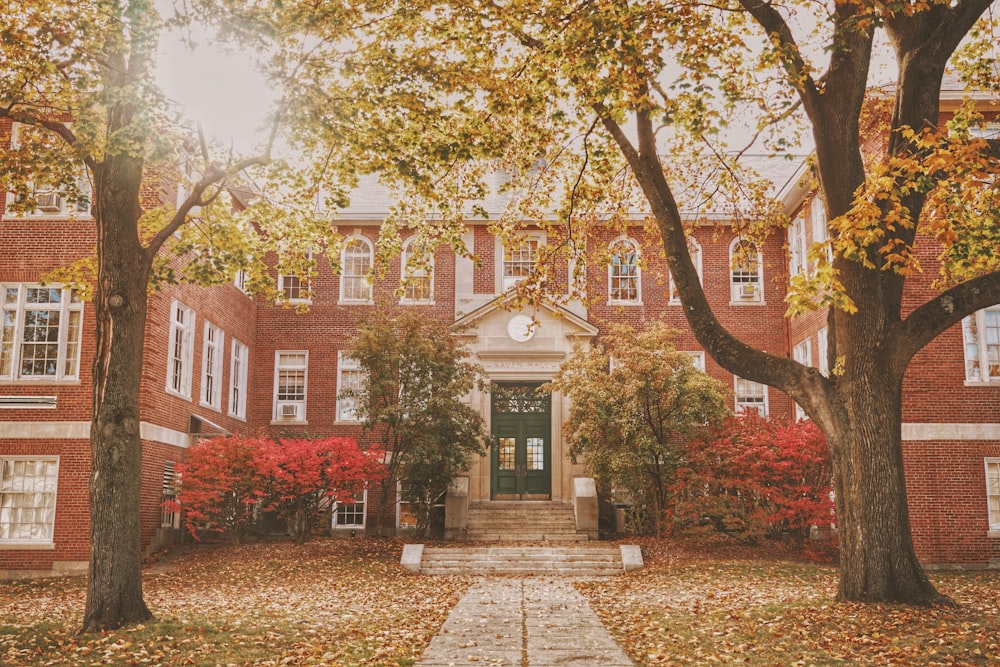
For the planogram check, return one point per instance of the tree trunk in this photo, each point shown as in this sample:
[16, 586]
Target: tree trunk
[114, 587]
[877, 560]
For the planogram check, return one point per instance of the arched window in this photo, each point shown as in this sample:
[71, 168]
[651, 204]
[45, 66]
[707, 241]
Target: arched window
[355, 265]
[417, 273]
[624, 272]
[745, 272]
[694, 248]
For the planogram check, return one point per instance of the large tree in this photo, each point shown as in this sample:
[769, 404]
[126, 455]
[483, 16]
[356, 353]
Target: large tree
[91, 125]
[425, 90]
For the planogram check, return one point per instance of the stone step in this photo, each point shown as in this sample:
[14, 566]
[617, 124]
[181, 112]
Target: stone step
[527, 521]
[524, 561]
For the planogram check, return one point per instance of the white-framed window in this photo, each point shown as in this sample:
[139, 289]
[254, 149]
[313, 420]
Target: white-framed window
[350, 377]
[820, 229]
[50, 200]
[751, 395]
[797, 248]
[981, 333]
[519, 258]
[417, 269]
[406, 519]
[351, 515]
[239, 367]
[291, 368]
[697, 359]
[802, 353]
[180, 350]
[993, 492]
[355, 270]
[42, 327]
[240, 280]
[624, 272]
[28, 498]
[823, 351]
[694, 249]
[169, 516]
[745, 272]
[211, 366]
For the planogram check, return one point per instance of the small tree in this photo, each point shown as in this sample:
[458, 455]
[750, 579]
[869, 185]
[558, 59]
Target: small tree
[417, 375]
[636, 401]
[220, 486]
[756, 478]
[306, 477]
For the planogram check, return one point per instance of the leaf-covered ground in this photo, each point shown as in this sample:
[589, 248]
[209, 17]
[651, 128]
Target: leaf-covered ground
[724, 604]
[347, 602]
[329, 602]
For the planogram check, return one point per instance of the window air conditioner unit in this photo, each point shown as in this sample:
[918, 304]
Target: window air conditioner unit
[49, 201]
[748, 291]
[288, 410]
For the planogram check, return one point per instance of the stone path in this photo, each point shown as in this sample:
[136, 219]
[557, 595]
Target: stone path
[529, 622]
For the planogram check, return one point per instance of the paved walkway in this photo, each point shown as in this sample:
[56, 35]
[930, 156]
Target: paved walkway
[530, 622]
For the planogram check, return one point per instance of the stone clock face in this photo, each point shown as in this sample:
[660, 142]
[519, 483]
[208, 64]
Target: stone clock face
[520, 328]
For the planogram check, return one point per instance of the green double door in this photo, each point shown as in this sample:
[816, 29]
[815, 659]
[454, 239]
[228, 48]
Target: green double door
[522, 443]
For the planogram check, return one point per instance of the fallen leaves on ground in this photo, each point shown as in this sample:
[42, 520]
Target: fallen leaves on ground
[728, 604]
[328, 602]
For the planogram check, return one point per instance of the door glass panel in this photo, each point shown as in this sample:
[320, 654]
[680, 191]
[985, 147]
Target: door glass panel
[505, 459]
[536, 453]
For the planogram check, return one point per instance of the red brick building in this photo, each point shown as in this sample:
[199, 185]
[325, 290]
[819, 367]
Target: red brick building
[219, 361]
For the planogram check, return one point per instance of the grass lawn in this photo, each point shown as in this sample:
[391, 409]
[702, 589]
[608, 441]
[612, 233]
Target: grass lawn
[347, 602]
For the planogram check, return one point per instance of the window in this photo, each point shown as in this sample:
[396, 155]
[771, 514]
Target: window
[180, 350]
[240, 280]
[51, 200]
[697, 359]
[981, 332]
[355, 266]
[823, 351]
[802, 353]
[797, 252]
[519, 259]
[41, 333]
[169, 516]
[751, 395]
[993, 492]
[695, 251]
[405, 517]
[238, 371]
[211, 367]
[417, 273]
[28, 498]
[745, 272]
[821, 231]
[350, 378]
[624, 273]
[351, 515]
[290, 370]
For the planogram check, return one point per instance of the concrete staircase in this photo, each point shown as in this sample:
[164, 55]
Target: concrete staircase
[528, 521]
[580, 561]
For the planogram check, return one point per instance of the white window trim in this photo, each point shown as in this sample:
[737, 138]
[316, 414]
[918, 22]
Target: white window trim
[211, 366]
[736, 289]
[820, 229]
[238, 371]
[399, 508]
[369, 288]
[798, 253]
[346, 408]
[694, 249]
[823, 351]
[36, 543]
[697, 358]
[278, 406]
[994, 520]
[981, 360]
[65, 307]
[802, 353]
[185, 331]
[623, 241]
[364, 513]
[507, 283]
[426, 271]
[741, 405]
